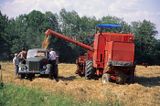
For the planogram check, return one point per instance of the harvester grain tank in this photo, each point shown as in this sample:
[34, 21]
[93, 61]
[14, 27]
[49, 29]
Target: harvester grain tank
[111, 57]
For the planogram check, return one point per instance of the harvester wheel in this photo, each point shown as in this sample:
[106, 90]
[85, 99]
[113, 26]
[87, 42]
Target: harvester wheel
[105, 78]
[121, 78]
[89, 71]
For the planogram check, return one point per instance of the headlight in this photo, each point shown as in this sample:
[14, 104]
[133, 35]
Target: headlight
[22, 67]
[44, 67]
[25, 67]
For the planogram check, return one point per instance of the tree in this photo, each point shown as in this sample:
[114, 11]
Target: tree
[27, 31]
[4, 43]
[145, 41]
[115, 20]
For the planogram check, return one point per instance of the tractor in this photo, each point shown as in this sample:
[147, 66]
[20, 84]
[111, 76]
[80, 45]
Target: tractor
[111, 57]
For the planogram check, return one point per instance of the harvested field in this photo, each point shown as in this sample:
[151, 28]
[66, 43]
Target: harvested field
[145, 91]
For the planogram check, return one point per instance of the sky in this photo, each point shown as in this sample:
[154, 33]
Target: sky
[129, 10]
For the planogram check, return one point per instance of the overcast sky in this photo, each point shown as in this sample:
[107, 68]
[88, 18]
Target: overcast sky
[129, 10]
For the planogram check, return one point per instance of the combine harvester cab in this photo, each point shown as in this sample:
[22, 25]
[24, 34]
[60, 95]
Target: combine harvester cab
[111, 57]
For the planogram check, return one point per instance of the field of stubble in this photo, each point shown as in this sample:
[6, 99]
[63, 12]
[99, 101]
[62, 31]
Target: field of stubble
[144, 92]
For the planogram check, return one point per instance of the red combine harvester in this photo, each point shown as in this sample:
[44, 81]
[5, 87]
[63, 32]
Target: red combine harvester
[111, 57]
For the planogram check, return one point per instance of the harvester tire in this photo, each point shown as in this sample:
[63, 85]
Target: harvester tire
[89, 71]
[105, 78]
[121, 78]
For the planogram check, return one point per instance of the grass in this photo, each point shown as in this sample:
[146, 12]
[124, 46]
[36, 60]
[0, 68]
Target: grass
[13, 95]
[80, 92]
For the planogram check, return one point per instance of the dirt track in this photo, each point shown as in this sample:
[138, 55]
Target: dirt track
[146, 90]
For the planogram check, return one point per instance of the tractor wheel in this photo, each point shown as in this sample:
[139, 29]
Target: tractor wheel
[22, 76]
[106, 78]
[89, 71]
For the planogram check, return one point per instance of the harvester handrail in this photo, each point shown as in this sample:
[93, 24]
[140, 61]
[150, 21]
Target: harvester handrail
[50, 32]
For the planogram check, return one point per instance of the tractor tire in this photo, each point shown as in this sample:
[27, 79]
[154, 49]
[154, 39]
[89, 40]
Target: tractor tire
[89, 71]
[105, 78]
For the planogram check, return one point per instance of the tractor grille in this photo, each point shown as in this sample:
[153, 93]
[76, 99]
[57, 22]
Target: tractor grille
[34, 66]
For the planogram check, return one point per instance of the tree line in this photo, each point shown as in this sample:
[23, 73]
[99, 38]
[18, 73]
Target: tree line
[27, 30]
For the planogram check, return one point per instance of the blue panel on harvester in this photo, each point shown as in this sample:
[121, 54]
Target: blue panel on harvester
[108, 25]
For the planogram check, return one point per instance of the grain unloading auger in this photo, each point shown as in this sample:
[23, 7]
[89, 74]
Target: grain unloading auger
[111, 57]
[60, 36]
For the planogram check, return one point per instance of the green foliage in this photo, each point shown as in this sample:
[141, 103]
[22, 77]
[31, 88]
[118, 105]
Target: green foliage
[4, 43]
[28, 31]
[115, 20]
[146, 44]
[20, 96]
[12, 95]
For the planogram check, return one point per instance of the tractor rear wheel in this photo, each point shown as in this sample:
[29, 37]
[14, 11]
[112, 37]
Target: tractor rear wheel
[89, 71]
[106, 78]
